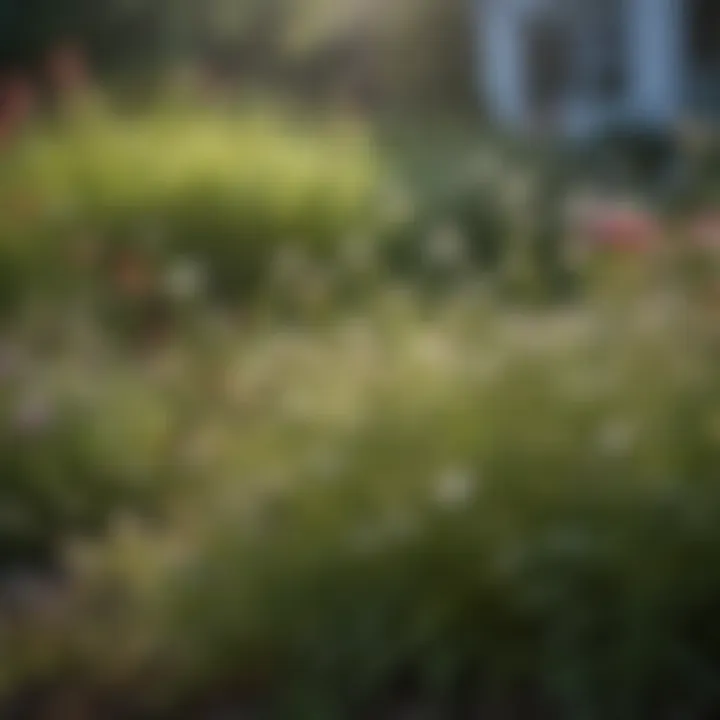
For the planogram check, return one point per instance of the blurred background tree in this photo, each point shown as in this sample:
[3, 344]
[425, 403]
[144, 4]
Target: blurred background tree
[400, 53]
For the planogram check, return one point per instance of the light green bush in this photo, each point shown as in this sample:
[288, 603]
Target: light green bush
[228, 192]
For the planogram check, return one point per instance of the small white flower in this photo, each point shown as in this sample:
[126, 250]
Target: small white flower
[653, 319]
[153, 235]
[399, 207]
[433, 349]
[581, 207]
[517, 192]
[509, 560]
[446, 246]
[185, 280]
[357, 335]
[34, 414]
[454, 487]
[289, 263]
[366, 540]
[617, 438]
[391, 530]
[576, 252]
[568, 543]
[200, 449]
[358, 253]
[400, 527]
[327, 463]
[586, 386]
[298, 405]
[485, 368]
[484, 168]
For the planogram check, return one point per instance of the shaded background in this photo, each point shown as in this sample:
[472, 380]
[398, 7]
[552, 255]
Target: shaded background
[408, 53]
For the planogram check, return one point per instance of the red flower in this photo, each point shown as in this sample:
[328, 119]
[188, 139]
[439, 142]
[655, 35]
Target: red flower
[133, 277]
[67, 69]
[17, 102]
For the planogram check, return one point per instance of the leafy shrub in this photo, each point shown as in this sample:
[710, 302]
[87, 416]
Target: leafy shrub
[226, 192]
[467, 200]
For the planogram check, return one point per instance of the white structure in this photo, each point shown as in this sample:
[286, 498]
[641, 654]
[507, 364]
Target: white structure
[579, 65]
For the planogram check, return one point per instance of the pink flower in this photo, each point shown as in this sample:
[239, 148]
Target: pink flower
[34, 414]
[623, 229]
[133, 276]
[17, 102]
[67, 69]
[704, 232]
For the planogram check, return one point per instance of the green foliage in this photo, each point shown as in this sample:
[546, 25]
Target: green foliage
[454, 505]
[412, 51]
[472, 202]
[476, 506]
[539, 498]
[79, 443]
[229, 194]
